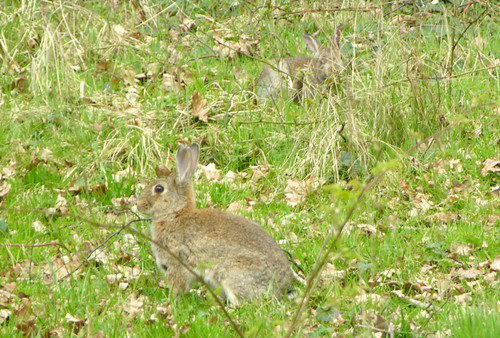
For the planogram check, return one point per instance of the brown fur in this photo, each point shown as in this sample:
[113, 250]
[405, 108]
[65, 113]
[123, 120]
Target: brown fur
[227, 250]
[301, 75]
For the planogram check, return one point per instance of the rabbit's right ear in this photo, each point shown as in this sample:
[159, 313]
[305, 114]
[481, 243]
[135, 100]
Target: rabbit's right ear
[187, 161]
[312, 44]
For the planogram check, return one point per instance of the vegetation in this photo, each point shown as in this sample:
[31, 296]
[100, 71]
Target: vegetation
[400, 150]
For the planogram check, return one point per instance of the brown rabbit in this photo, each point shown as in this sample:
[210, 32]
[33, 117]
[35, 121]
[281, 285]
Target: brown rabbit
[228, 251]
[302, 75]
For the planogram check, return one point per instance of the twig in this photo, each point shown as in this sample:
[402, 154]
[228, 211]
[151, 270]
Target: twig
[413, 302]
[55, 243]
[279, 122]
[466, 28]
[328, 10]
[438, 78]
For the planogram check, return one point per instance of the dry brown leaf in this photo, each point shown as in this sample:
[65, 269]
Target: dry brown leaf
[130, 273]
[236, 206]
[371, 298]
[329, 272]
[39, 227]
[61, 208]
[9, 171]
[445, 217]
[4, 189]
[461, 249]
[100, 256]
[125, 173]
[211, 173]
[463, 298]
[135, 304]
[119, 31]
[5, 315]
[367, 228]
[75, 323]
[60, 267]
[495, 265]
[199, 107]
[57, 332]
[124, 202]
[490, 166]
[467, 274]
[296, 191]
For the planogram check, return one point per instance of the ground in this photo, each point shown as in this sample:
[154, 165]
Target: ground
[398, 149]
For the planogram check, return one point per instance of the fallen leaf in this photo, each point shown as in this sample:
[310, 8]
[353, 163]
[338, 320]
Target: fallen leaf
[75, 323]
[100, 256]
[260, 171]
[5, 315]
[134, 305]
[296, 192]
[211, 174]
[60, 267]
[61, 208]
[39, 227]
[4, 189]
[367, 228]
[329, 272]
[467, 274]
[236, 206]
[495, 265]
[125, 173]
[9, 171]
[460, 249]
[490, 166]
[199, 107]
[55, 332]
[123, 202]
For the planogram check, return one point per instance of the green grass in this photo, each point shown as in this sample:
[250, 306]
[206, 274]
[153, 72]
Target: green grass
[72, 117]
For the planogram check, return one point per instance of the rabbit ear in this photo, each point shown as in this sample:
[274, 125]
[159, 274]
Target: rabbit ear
[312, 44]
[338, 35]
[187, 161]
[162, 171]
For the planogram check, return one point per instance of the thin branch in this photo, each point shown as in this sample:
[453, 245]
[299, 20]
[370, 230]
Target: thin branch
[55, 243]
[329, 10]
[467, 28]
[439, 78]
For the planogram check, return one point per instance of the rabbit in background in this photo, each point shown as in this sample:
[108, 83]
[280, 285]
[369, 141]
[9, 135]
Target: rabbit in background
[228, 251]
[301, 76]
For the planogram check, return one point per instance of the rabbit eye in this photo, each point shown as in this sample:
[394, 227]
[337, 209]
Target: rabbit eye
[159, 189]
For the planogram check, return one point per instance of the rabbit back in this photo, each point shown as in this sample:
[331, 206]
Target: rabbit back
[227, 250]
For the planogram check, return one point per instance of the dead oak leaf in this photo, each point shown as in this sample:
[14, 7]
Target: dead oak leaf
[495, 265]
[4, 189]
[211, 173]
[199, 107]
[134, 306]
[9, 171]
[75, 323]
[467, 274]
[490, 166]
[296, 191]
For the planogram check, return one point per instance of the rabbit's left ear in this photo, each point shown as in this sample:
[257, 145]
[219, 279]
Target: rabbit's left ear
[312, 44]
[162, 171]
[187, 161]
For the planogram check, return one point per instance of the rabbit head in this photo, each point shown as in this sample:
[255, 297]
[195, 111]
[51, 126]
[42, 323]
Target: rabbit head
[172, 191]
[325, 61]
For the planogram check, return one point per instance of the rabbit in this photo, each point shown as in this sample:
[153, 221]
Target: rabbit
[228, 251]
[302, 74]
